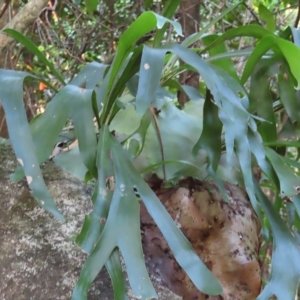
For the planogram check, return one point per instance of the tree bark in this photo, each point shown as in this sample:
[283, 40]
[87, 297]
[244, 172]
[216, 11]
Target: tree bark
[3, 56]
[4, 9]
[20, 22]
[189, 20]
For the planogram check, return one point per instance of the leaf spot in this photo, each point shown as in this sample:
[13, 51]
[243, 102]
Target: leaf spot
[146, 66]
[20, 161]
[241, 95]
[33, 166]
[122, 187]
[42, 202]
[29, 179]
[102, 192]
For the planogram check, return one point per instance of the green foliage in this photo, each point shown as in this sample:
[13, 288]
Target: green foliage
[21, 139]
[232, 122]
[267, 16]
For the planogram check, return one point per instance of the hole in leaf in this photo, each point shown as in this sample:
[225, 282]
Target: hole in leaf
[241, 94]
[110, 183]
[136, 192]
[102, 220]
[122, 187]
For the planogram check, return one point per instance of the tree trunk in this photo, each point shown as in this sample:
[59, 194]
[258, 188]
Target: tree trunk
[20, 22]
[4, 8]
[189, 16]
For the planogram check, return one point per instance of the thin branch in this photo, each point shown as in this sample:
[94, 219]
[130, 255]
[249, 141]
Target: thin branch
[157, 130]
[253, 13]
[5, 6]
[298, 16]
[22, 20]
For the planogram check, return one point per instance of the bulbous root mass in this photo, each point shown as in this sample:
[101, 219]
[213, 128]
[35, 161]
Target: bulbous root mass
[225, 235]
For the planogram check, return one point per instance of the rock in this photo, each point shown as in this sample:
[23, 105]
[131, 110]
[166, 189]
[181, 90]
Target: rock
[39, 258]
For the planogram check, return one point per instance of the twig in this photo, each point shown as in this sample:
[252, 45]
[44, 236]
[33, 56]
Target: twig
[298, 16]
[253, 13]
[159, 140]
[3, 10]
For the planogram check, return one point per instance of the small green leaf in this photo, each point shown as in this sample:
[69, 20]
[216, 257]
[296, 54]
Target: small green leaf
[19, 37]
[267, 17]
[91, 5]
[251, 30]
[288, 180]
